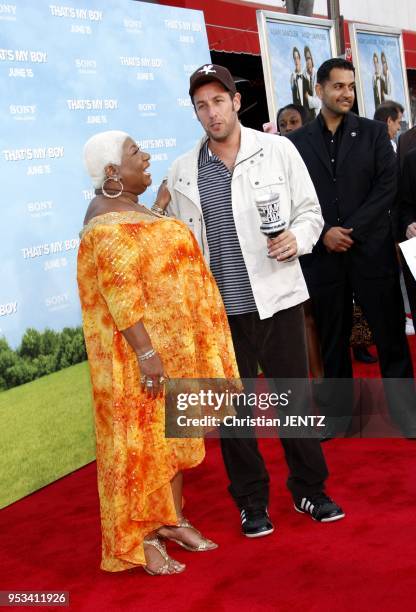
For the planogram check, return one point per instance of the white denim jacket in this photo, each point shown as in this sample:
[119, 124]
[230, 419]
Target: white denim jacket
[265, 163]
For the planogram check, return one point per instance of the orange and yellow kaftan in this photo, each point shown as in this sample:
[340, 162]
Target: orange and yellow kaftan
[132, 267]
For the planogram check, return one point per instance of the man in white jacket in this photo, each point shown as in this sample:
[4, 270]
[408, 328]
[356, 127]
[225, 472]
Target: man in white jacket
[214, 189]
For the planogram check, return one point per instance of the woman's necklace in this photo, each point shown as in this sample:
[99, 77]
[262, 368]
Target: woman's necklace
[146, 210]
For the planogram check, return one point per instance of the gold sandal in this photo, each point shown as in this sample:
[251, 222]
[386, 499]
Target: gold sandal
[170, 563]
[204, 545]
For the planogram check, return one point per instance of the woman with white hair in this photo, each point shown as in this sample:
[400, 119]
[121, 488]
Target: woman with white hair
[151, 310]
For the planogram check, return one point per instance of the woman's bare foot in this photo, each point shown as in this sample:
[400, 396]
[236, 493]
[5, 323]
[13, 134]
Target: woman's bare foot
[187, 536]
[158, 562]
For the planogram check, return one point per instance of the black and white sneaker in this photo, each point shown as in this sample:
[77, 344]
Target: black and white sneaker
[320, 507]
[256, 523]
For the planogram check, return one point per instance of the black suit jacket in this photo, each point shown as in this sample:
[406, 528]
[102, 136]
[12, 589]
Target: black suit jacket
[378, 97]
[407, 142]
[306, 88]
[359, 195]
[407, 199]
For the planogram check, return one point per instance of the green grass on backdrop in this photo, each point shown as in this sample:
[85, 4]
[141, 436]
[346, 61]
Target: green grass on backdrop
[46, 431]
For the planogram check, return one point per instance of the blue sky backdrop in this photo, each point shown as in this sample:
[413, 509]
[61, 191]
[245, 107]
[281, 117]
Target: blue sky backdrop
[44, 200]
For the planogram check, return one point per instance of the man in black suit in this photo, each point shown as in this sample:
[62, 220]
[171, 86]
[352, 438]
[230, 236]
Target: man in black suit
[407, 220]
[352, 165]
[406, 210]
[407, 142]
[299, 84]
[378, 90]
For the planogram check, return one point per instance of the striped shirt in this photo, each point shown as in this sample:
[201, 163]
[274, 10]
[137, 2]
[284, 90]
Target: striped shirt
[226, 259]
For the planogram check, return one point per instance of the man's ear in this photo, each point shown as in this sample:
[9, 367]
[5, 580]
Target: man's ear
[389, 122]
[319, 90]
[237, 102]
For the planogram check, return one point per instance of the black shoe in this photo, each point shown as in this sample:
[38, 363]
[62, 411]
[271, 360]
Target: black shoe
[336, 427]
[256, 523]
[320, 507]
[329, 432]
[327, 435]
[362, 354]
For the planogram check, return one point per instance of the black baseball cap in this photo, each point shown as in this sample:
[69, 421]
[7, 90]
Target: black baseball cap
[211, 72]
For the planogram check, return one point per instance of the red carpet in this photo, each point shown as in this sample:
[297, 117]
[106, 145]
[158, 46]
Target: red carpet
[51, 540]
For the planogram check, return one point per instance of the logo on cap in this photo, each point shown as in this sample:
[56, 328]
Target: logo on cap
[208, 69]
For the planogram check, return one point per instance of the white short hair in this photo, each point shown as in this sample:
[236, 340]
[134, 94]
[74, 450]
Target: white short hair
[103, 149]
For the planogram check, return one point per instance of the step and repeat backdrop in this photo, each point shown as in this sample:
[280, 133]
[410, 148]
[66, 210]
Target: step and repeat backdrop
[68, 71]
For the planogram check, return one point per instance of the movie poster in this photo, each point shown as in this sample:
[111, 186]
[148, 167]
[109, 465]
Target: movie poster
[380, 68]
[292, 49]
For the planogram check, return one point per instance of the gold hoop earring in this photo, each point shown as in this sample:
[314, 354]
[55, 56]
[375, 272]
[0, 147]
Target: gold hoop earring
[112, 195]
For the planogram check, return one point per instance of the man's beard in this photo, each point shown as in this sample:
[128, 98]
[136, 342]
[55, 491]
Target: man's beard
[222, 137]
[217, 138]
[338, 111]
